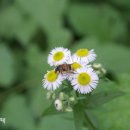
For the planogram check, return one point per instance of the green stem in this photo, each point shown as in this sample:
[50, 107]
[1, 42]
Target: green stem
[89, 121]
[78, 117]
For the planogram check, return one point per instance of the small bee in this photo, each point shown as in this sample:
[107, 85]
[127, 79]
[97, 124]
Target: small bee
[64, 68]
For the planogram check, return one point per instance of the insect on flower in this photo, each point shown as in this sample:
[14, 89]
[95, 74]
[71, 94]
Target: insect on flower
[71, 67]
[64, 68]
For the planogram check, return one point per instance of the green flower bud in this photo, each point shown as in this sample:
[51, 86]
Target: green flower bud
[98, 72]
[97, 66]
[53, 96]
[49, 95]
[68, 109]
[72, 99]
[62, 96]
[103, 71]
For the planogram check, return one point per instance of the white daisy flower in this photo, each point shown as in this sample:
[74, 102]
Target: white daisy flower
[52, 80]
[84, 80]
[84, 56]
[58, 56]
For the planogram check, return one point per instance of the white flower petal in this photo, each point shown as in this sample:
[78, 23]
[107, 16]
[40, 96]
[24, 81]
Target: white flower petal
[52, 85]
[84, 89]
[86, 59]
[64, 59]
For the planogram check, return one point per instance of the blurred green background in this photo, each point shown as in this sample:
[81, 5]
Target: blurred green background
[29, 29]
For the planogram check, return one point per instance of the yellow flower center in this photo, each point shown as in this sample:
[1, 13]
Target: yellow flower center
[52, 76]
[84, 79]
[75, 66]
[82, 52]
[58, 56]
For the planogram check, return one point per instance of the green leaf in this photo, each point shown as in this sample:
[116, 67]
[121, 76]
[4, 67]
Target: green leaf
[47, 13]
[125, 4]
[14, 24]
[38, 102]
[115, 115]
[7, 72]
[59, 37]
[100, 98]
[11, 18]
[78, 117]
[51, 111]
[55, 122]
[90, 121]
[102, 22]
[37, 65]
[17, 113]
[25, 31]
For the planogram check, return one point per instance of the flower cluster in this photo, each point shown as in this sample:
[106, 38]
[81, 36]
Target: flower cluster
[81, 75]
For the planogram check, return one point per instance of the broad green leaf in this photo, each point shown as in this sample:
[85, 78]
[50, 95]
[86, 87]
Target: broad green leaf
[56, 122]
[115, 115]
[37, 100]
[58, 38]
[25, 31]
[37, 65]
[7, 72]
[14, 24]
[17, 113]
[125, 4]
[102, 97]
[47, 13]
[11, 18]
[102, 22]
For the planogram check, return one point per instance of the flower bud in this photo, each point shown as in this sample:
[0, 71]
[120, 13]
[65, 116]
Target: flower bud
[53, 96]
[61, 96]
[49, 95]
[98, 72]
[103, 71]
[69, 109]
[58, 105]
[72, 99]
[97, 66]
